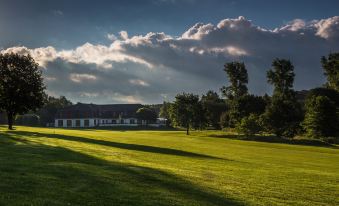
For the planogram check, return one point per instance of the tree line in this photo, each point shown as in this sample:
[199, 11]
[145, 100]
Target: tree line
[282, 113]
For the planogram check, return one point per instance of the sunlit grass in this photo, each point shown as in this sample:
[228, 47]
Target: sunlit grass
[43, 166]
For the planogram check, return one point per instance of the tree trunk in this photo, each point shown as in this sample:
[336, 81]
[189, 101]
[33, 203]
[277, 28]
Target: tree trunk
[10, 117]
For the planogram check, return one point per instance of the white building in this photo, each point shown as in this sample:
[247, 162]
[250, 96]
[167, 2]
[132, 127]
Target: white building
[92, 115]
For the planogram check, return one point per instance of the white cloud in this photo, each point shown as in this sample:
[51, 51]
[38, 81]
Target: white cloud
[78, 78]
[139, 82]
[123, 35]
[111, 37]
[143, 67]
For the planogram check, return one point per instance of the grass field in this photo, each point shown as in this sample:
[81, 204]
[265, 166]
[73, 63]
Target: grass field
[41, 166]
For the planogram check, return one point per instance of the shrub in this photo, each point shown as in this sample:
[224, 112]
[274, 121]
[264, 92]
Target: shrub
[249, 125]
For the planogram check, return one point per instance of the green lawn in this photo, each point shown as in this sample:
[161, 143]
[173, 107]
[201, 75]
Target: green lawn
[40, 166]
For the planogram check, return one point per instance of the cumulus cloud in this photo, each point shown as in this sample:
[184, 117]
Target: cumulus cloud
[153, 67]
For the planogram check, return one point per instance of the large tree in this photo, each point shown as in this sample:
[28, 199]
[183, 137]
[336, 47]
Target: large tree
[238, 78]
[186, 111]
[331, 70]
[214, 106]
[21, 85]
[283, 116]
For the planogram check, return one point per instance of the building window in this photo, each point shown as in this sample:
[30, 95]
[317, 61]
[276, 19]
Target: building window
[86, 123]
[60, 123]
[77, 123]
[103, 121]
[69, 123]
[95, 122]
[131, 121]
[114, 121]
[122, 121]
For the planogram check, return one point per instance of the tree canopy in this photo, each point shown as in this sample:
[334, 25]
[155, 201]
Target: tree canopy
[21, 85]
[331, 70]
[238, 78]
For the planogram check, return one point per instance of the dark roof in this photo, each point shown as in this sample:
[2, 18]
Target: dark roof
[81, 110]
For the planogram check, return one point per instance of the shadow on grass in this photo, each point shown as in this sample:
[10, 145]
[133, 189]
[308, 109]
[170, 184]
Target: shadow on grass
[36, 174]
[275, 139]
[128, 146]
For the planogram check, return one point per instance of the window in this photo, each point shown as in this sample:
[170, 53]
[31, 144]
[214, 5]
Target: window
[131, 121]
[114, 121]
[69, 123]
[95, 122]
[77, 123]
[86, 123]
[60, 123]
[103, 121]
[122, 121]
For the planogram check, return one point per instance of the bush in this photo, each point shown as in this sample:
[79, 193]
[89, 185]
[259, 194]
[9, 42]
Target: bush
[249, 125]
[320, 119]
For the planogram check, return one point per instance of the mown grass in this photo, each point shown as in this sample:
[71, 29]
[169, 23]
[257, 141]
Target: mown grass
[43, 166]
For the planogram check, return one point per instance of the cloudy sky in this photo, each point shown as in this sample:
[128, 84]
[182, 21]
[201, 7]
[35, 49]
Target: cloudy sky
[148, 51]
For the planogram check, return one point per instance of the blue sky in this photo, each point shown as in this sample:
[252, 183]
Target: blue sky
[65, 23]
[147, 51]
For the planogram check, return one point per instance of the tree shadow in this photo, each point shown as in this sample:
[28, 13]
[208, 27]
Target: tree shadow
[38, 174]
[275, 139]
[128, 146]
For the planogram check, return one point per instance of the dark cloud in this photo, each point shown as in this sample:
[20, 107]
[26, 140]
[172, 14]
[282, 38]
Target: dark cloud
[156, 66]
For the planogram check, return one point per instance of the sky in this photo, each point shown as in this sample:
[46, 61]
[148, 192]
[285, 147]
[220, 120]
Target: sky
[147, 51]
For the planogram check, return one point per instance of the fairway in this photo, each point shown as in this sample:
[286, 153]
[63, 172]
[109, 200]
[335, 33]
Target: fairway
[46, 166]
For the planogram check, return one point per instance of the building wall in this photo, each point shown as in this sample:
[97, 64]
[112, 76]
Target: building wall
[97, 122]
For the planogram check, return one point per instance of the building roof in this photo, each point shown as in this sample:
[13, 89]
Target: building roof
[81, 110]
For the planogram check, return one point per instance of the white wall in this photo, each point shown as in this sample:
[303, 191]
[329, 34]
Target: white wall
[98, 122]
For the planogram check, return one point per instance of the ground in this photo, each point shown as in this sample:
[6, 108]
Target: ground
[41, 166]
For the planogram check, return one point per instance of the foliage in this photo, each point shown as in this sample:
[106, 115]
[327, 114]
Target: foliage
[213, 106]
[28, 120]
[284, 114]
[245, 105]
[331, 70]
[21, 85]
[224, 120]
[147, 114]
[186, 111]
[249, 125]
[165, 112]
[238, 78]
[281, 76]
[321, 119]
[50, 108]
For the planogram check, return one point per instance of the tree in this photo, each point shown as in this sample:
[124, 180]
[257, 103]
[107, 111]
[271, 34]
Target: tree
[21, 85]
[185, 111]
[213, 106]
[321, 119]
[283, 116]
[249, 125]
[50, 108]
[281, 76]
[165, 112]
[331, 70]
[238, 78]
[146, 114]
